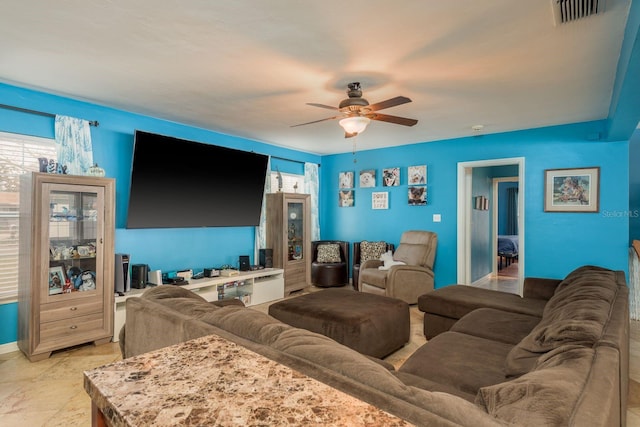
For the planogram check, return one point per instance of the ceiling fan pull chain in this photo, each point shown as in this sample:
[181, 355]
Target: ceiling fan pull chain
[354, 149]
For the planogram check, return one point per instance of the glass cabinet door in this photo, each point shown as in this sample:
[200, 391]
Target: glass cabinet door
[74, 231]
[295, 218]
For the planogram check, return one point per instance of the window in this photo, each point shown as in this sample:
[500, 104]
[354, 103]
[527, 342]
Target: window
[19, 154]
[290, 183]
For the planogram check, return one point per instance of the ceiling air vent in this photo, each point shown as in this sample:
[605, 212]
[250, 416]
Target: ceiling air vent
[571, 10]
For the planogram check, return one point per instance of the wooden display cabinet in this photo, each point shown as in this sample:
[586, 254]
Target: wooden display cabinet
[66, 272]
[289, 235]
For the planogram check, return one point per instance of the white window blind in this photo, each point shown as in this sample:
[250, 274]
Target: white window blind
[291, 183]
[18, 155]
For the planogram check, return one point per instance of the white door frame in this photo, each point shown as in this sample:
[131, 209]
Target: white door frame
[465, 196]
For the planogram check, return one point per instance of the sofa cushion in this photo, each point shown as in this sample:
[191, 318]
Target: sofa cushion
[496, 325]
[576, 314]
[545, 396]
[371, 250]
[583, 283]
[411, 254]
[460, 360]
[329, 252]
[426, 384]
[374, 277]
[586, 271]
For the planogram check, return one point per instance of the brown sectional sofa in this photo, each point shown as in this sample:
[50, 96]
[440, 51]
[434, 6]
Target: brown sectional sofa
[568, 363]
[567, 338]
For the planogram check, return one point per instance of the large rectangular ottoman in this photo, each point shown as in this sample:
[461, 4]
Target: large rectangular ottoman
[371, 324]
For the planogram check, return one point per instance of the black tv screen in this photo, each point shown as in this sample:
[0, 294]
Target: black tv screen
[177, 183]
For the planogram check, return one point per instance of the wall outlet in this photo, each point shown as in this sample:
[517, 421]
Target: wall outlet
[437, 218]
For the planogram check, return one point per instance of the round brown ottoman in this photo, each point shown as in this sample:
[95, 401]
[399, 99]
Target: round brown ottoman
[327, 275]
[371, 324]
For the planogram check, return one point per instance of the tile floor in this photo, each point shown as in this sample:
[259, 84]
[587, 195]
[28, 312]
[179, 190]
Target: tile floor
[50, 392]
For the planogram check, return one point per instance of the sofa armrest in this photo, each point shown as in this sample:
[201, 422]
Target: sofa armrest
[408, 282]
[371, 263]
[539, 288]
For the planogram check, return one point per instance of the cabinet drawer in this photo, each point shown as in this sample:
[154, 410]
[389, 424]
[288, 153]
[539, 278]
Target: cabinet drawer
[54, 312]
[61, 329]
[294, 276]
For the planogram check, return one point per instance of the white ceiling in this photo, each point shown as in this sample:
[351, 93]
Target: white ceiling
[248, 68]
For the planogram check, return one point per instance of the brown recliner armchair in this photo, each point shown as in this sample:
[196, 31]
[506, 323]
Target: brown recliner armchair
[417, 250]
[329, 268]
[357, 256]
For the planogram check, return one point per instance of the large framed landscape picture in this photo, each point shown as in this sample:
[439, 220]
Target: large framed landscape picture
[572, 190]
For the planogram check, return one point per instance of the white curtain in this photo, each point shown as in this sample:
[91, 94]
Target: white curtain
[311, 185]
[73, 144]
[261, 229]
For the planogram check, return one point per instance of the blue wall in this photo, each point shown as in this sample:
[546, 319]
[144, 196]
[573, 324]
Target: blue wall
[8, 323]
[165, 249]
[556, 243]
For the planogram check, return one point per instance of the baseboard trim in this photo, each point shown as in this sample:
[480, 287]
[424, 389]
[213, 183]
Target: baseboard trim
[9, 347]
[483, 280]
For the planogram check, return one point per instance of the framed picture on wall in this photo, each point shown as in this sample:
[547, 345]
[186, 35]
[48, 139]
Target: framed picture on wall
[572, 190]
[391, 177]
[380, 200]
[346, 198]
[417, 175]
[417, 195]
[367, 178]
[346, 179]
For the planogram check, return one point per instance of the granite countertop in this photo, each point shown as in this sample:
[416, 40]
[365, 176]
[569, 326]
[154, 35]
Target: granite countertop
[212, 381]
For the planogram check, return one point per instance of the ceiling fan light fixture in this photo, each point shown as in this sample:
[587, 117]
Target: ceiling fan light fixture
[354, 125]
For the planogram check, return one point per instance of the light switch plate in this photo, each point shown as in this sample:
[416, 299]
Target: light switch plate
[437, 218]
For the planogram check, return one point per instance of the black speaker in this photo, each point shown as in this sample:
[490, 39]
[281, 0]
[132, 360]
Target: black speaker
[266, 258]
[245, 264]
[139, 276]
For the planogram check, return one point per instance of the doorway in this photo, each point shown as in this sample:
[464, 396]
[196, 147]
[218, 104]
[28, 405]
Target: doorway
[466, 213]
[505, 233]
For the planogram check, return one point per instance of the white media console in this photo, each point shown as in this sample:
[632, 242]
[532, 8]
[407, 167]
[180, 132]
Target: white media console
[251, 287]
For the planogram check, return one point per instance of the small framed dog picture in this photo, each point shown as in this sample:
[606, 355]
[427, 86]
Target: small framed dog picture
[391, 177]
[346, 179]
[367, 178]
[346, 198]
[417, 175]
[417, 195]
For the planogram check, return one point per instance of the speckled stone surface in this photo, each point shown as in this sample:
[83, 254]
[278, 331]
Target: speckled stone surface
[215, 382]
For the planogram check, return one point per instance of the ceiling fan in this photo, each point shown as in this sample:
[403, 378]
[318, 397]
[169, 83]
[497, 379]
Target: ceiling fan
[357, 112]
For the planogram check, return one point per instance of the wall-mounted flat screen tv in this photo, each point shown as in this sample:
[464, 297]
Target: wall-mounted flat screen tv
[176, 183]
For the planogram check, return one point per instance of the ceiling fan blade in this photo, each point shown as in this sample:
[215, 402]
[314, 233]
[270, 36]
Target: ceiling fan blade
[398, 100]
[317, 121]
[329, 107]
[392, 119]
